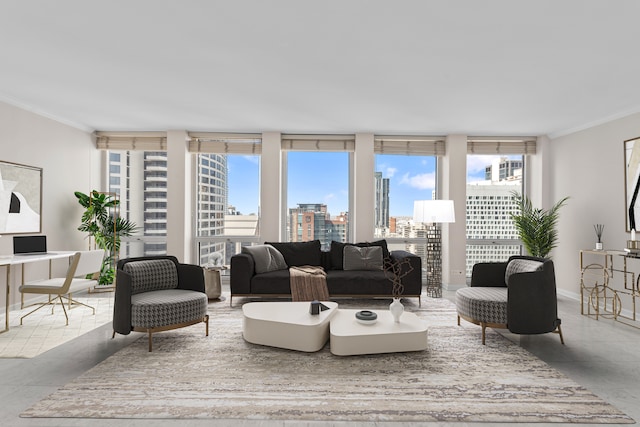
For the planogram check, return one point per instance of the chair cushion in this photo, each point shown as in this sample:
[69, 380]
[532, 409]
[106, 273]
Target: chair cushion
[521, 266]
[152, 275]
[167, 307]
[483, 304]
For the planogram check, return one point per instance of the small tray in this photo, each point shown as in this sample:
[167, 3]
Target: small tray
[366, 317]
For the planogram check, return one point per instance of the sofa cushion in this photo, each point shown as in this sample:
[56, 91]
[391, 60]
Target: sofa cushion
[521, 266]
[299, 253]
[367, 258]
[272, 282]
[152, 275]
[265, 258]
[337, 251]
[358, 282]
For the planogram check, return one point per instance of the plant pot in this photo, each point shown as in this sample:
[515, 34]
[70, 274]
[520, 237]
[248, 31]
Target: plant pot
[598, 246]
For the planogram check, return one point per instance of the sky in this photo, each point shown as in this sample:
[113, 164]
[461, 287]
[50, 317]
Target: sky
[323, 178]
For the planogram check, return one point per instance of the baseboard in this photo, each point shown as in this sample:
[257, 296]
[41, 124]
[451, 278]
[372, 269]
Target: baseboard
[453, 286]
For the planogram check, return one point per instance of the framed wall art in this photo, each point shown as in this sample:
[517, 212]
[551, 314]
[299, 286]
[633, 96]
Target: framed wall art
[20, 198]
[632, 183]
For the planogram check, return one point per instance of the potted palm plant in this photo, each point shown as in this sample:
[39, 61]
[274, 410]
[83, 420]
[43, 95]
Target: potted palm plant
[536, 227]
[106, 229]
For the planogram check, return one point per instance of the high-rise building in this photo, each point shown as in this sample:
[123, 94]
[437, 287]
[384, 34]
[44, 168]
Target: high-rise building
[381, 207]
[142, 172]
[145, 172]
[503, 169]
[311, 221]
[488, 208]
[212, 203]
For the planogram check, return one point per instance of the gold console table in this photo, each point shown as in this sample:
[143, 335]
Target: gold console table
[602, 291]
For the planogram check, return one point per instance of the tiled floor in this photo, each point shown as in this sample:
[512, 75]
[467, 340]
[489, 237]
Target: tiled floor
[601, 355]
[42, 330]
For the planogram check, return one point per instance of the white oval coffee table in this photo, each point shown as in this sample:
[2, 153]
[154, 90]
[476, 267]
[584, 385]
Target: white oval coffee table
[287, 324]
[349, 337]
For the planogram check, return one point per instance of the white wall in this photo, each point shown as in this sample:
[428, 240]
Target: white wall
[69, 162]
[588, 166]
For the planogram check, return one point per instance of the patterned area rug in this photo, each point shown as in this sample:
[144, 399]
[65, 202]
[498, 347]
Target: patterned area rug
[221, 376]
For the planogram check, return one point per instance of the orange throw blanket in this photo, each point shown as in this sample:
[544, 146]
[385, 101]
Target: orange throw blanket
[308, 283]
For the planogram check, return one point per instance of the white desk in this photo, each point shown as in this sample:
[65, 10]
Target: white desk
[11, 260]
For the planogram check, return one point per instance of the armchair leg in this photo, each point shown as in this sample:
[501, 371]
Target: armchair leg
[206, 321]
[559, 332]
[150, 341]
[484, 331]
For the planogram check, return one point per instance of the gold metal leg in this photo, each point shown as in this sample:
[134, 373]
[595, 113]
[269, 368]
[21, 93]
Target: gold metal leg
[7, 291]
[34, 310]
[559, 332]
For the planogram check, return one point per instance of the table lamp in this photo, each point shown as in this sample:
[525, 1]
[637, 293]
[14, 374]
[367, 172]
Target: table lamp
[433, 213]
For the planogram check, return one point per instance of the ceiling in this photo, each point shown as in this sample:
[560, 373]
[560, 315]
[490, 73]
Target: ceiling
[475, 67]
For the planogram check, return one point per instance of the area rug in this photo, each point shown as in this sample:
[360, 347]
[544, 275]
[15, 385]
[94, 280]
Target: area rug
[221, 376]
[43, 331]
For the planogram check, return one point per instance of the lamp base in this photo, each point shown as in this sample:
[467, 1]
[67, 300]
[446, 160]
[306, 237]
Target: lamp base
[433, 260]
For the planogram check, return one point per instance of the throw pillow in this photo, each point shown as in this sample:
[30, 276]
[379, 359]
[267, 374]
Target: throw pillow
[367, 258]
[336, 251]
[265, 257]
[521, 266]
[299, 253]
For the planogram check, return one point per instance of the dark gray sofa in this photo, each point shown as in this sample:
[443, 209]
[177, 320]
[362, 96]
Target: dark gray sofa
[340, 283]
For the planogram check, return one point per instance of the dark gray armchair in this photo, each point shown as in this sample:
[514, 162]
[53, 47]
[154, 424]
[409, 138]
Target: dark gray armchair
[519, 295]
[156, 294]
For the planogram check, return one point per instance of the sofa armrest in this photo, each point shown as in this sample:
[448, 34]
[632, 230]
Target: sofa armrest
[532, 306]
[122, 303]
[489, 274]
[191, 277]
[242, 270]
[412, 282]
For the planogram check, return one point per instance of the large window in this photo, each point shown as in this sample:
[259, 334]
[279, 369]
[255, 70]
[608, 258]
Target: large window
[317, 187]
[491, 181]
[405, 171]
[318, 197]
[140, 180]
[227, 194]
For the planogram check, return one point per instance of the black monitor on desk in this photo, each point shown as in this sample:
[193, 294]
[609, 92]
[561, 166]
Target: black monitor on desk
[29, 245]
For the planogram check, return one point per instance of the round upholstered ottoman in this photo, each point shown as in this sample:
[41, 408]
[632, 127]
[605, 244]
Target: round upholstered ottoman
[484, 306]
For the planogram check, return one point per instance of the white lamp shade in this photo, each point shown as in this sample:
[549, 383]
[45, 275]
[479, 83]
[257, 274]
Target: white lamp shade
[433, 211]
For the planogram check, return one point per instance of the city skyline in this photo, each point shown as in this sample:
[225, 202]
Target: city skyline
[323, 178]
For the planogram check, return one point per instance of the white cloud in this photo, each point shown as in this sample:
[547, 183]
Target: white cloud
[390, 171]
[252, 159]
[423, 181]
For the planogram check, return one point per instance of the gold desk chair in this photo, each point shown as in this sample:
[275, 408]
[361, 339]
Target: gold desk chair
[82, 264]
